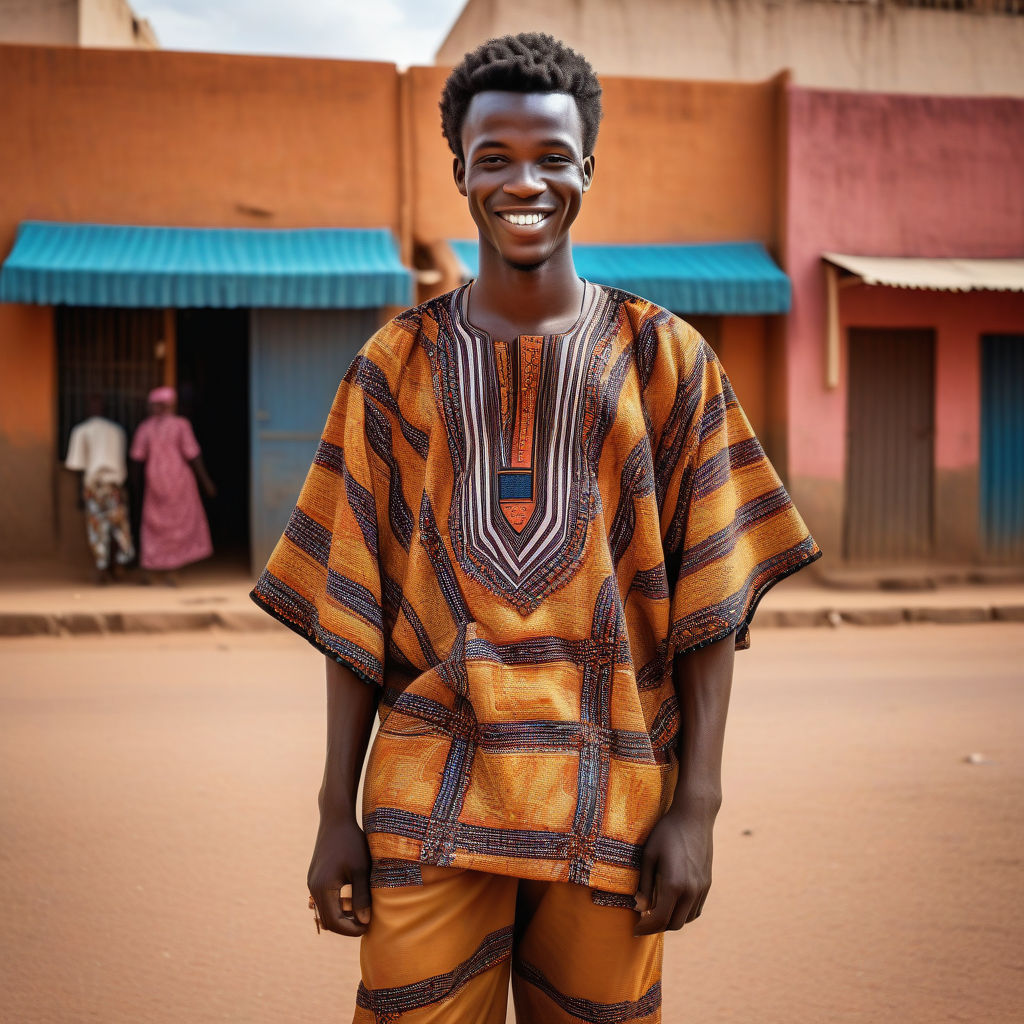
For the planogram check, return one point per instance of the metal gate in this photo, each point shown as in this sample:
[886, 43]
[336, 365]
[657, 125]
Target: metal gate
[1002, 446]
[890, 445]
[298, 358]
[116, 354]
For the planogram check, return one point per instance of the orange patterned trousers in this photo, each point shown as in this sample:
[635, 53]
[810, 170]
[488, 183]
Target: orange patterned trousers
[443, 943]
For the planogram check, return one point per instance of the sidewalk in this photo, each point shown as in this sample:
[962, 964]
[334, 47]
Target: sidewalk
[43, 604]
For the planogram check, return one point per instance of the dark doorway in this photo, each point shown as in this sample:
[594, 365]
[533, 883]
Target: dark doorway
[213, 392]
[890, 445]
[118, 355]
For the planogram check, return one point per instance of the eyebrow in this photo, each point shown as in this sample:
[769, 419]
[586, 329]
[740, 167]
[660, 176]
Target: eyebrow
[544, 143]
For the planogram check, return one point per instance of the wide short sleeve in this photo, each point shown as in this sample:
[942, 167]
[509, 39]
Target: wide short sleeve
[730, 530]
[323, 578]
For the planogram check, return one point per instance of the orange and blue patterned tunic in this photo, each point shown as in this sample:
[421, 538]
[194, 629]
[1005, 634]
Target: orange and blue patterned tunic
[513, 541]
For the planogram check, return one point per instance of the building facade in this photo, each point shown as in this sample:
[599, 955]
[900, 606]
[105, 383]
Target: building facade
[202, 143]
[948, 47]
[896, 409]
[137, 158]
[98, 23]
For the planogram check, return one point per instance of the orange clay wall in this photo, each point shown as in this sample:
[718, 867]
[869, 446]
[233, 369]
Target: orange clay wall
[156, 137]
[676, 162]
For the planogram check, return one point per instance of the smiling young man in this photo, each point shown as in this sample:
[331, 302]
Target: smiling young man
[534, 533]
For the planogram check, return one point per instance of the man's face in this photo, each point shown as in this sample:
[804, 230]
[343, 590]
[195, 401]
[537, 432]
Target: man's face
[524, 172]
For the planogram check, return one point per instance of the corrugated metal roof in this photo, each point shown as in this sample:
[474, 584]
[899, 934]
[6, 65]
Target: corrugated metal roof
[728, 277]
[944, 275]
[122, 265]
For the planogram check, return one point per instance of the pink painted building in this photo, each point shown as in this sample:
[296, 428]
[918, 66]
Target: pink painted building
[904, 428]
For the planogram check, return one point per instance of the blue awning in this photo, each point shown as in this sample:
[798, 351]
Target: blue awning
[728, 277]
[121, 265]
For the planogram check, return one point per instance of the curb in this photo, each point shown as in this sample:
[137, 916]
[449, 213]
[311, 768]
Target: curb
[893, 616]
[19, 624]
[106, 623]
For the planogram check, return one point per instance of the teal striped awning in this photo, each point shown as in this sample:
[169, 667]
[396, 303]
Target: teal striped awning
[727, 277]
[122, 265]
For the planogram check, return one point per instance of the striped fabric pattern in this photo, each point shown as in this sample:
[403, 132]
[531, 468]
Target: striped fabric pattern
[515, 540]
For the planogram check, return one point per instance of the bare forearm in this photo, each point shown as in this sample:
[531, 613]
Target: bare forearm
[340, 855]
[350, 708]
[675, 870]
[703, 682]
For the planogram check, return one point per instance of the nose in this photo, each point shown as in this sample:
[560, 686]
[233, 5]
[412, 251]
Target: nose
[523, 181]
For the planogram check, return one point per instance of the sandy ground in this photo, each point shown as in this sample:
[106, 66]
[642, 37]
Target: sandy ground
[157, 805]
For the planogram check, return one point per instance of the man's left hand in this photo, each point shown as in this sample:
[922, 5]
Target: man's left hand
[675, 872]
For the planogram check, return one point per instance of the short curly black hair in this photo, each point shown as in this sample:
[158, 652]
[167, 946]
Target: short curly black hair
[527, 62]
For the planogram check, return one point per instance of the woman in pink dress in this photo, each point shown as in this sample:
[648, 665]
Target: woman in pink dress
[174, 528]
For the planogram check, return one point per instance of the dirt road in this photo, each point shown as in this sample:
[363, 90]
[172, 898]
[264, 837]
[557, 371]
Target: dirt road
[157, 806]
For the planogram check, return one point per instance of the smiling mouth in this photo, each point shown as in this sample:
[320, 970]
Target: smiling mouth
[523, 220]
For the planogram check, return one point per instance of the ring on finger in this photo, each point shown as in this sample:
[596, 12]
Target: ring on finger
[316, 913]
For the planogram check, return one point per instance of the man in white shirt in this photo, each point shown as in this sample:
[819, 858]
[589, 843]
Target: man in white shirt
[97, 452]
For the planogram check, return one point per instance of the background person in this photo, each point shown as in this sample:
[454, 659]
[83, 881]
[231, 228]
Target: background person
[174, 530]
[96, 452]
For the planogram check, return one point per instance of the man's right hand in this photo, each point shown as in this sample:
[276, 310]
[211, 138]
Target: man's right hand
[341, 858]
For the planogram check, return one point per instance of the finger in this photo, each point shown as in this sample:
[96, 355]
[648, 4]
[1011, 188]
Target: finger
[361, 895]
[345, 894]
[329, 907]
[331, 916]
[657, 918]
[353, 929]
[645, 888]
[683, 909]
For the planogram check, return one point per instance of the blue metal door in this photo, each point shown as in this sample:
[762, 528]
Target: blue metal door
[1002, 446]
[298, 359]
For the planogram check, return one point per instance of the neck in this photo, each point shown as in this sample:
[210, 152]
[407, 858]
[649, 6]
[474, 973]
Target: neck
[535, 301]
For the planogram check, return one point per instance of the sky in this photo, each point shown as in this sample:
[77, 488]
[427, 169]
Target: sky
[398, 31]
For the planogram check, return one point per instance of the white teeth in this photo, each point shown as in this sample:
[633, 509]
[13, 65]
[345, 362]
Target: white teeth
[524, 219]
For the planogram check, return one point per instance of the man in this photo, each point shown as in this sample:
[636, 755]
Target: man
[534, 532]
[96, 453]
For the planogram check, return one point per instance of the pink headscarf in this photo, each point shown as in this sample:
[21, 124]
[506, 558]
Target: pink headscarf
[163, 396]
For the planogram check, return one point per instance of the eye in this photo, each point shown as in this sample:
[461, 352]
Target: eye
[556, 158]
[491, 160]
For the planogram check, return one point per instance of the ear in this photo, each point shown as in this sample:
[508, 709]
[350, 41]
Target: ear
[588, 172]
[459, 173]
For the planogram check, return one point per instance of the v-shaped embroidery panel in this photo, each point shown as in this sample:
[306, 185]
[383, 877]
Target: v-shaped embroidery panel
[519, 416]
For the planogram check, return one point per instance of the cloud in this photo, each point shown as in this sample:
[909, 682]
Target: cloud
[399, 31]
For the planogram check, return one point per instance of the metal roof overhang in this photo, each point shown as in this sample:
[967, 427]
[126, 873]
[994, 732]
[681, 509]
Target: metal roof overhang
[923, 273]
[730, 277]
[946, 275]
[122, 265]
